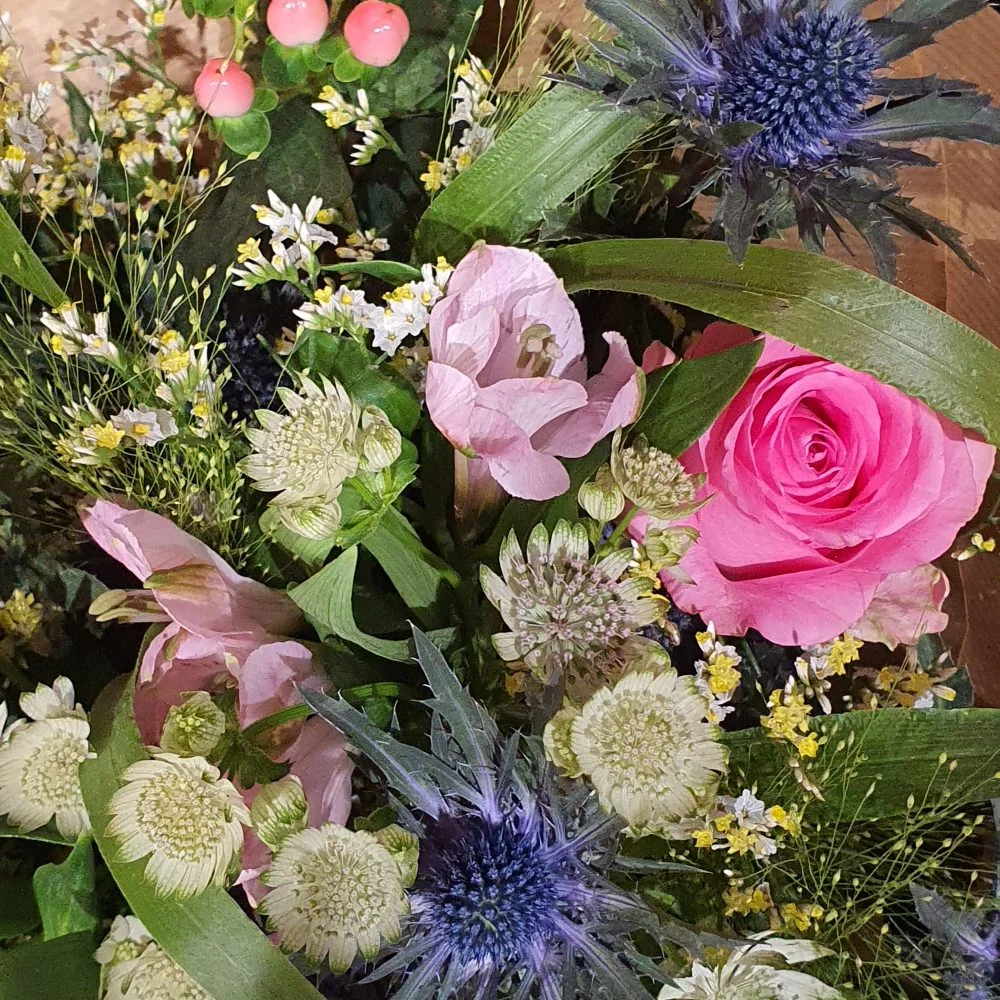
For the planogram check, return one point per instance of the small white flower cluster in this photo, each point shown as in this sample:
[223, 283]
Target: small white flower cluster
[296, 236]
[743, 825]
[67, 336]
[818, 664]
[134, 967]
[187, 378]
[405, 313]
[471, 108]
[339, 112]
[717, 676]
[154, 17]
[40, 758]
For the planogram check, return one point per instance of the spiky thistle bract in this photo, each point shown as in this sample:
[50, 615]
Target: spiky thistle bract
[511, 897]
[792, 104]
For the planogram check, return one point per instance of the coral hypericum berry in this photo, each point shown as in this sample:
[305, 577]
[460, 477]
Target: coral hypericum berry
[297, 22]
[376, 32]
[224, 89]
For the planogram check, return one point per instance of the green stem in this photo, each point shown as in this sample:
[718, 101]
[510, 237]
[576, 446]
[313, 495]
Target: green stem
[294, 714]
[620, 529]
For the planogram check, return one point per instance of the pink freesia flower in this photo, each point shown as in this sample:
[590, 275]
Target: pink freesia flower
[223, 629]
[825, 482]
[905, 607]
[507, 382]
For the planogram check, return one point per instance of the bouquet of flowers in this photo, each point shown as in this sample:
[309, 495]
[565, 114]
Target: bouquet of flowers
[448, 550]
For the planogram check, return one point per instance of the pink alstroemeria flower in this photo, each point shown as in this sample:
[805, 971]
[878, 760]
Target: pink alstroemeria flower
[507, 382]
[222, 629]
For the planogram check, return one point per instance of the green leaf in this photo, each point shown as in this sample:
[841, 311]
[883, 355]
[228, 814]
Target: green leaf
[264, 100]
[65, 893]
[45, 835]
[325, 600]
[250, 133]
[331, 47]
[392, 272]
[18, 911]
[283, 67]
[213, 8]
[21, 264]
[821, 305]
[893, 754]
[419, 576]
[209, 936]
[684, 399]
[346, 68]
[62, 969]
[553, 150]
[356, 368]
[79, 110]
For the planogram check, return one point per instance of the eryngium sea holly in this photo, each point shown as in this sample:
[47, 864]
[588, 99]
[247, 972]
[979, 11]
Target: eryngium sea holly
[510, 899]
[791, 105]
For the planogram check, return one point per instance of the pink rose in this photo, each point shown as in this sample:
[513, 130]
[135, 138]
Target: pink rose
[825, 483]
[507, 383]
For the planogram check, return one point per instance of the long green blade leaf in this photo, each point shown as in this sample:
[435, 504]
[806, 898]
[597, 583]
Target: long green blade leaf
[209, 935]
[549, 153]
[21, 264]
[833, 310]
[877, 760]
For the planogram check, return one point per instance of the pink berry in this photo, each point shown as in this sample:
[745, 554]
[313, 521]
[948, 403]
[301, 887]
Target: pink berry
[224, 89]
[376, 32]
[297, 22]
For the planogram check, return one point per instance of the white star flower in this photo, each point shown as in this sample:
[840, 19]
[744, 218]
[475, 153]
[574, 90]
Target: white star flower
[184, 816]
[144, 426]
[334, 893]
[56, 702]
[39, 774]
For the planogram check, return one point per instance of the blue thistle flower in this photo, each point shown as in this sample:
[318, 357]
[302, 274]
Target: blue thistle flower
[789, 99]
[511, 896]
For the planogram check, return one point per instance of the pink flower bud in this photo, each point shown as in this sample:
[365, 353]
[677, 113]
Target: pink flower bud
[297, 22]
[224, 89]
[376, 32]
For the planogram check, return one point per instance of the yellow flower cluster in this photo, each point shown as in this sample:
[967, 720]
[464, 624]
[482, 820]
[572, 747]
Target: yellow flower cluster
[788, 719]
[20, 616]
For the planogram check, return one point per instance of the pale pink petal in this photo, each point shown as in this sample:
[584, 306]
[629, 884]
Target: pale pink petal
[718, 337]
[906, 606]
[614, 396]
[465, 344]
[513, 462]
[451, 397]
[657, 356]
[270, 677]
[532, 402]
[319, 759]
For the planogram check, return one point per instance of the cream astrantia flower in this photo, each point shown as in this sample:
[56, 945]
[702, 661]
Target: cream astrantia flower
[566, 612]
[184, 816]
[654, 480]
[39, 774]
[125, 942]
[334, 893]
[56, 702]
[154, 975]
[749, 974]
[647, 749]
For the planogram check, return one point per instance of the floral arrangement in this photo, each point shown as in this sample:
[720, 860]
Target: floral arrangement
[447, 550]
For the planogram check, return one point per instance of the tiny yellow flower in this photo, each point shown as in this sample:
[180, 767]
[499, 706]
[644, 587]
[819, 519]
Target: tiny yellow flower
[703, 838]
[18, 615]
[324, 295]
[174, 362]
[462, 161]
[741, 841]
[325, 216]
[843, 651]
[433, 178]
[248, 250]
[108, 436]
[159, 18]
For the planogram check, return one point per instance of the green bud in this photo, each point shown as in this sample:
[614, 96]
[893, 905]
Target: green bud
[194, 728]
[558, 741]
[380, 442]
[404, 848]
[600, 497]
[279, 810]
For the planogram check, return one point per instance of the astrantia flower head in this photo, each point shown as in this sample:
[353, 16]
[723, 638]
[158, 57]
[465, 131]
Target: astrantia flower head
[647, 749]
[654, 480]
[39, 774]
[507, 896]
[125, 942]
[194, 728]
[568, 614]
[180, 813]
[794, 100]
[154, 975]
[334, 893]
